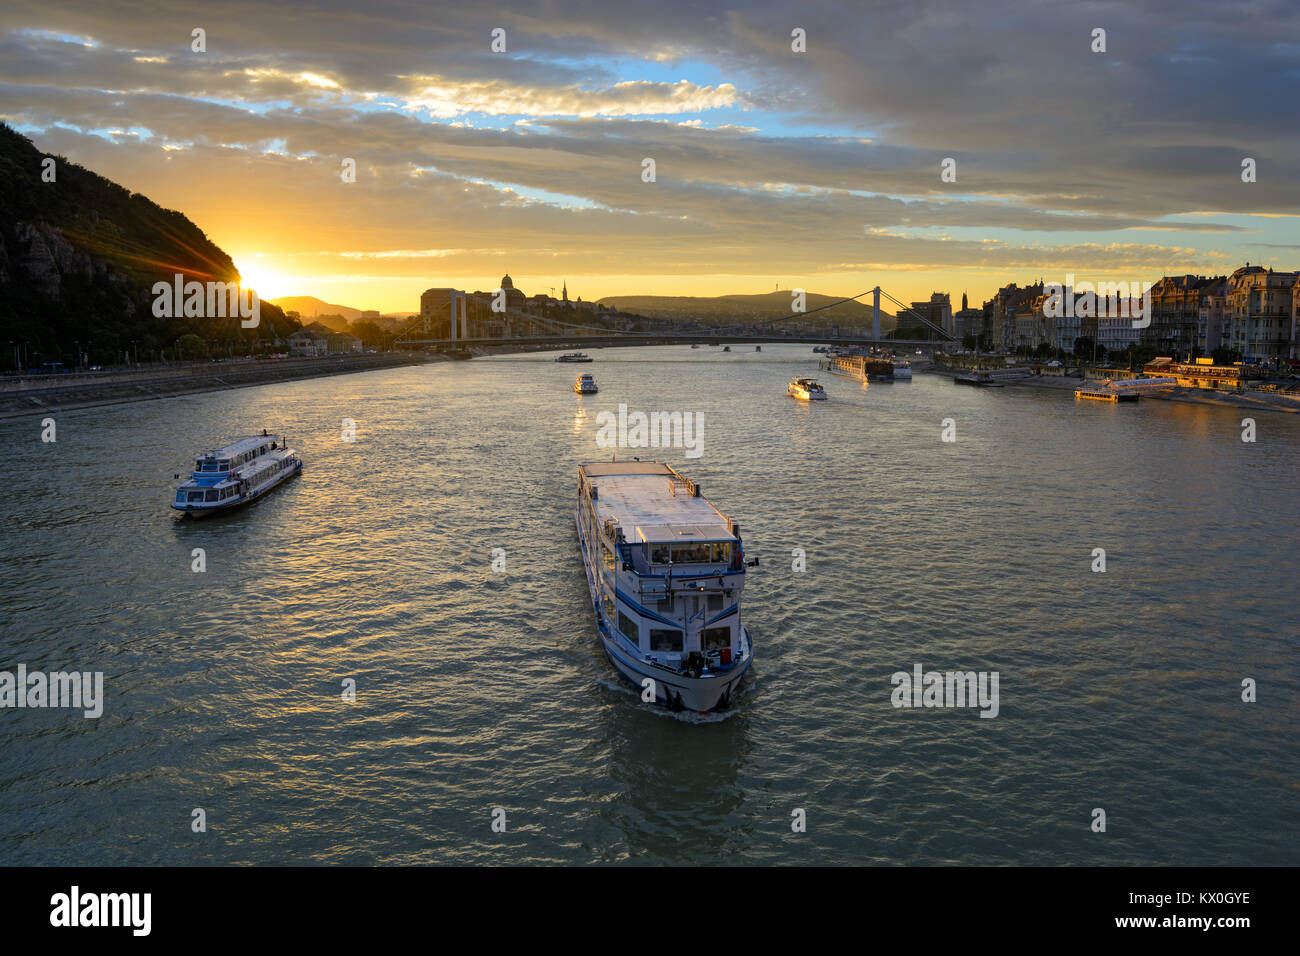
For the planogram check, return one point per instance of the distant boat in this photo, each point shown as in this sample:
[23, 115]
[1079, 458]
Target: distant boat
[726, 348]
[584, 384]
[236, 474]
[574, 357]
[978, 379]
[806, 390]
[903, 371]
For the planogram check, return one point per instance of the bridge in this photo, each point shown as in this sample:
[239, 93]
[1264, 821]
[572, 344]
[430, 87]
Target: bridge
[569, 335]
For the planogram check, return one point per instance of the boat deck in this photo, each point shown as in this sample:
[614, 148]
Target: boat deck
[651, 503]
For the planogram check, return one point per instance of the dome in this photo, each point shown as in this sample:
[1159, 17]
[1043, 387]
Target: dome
[506, 283]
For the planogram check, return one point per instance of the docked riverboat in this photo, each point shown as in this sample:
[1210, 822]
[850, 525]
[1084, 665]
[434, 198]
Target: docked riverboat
[665, 570]
[864, 368]
[228, 477]
[978, 379]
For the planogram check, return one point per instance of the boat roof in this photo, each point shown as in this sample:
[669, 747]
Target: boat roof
[650, 503]
[240, 446]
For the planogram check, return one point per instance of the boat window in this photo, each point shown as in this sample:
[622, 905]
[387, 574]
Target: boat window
[225, 466]
[210, 495]
[690, 553]
[665, 640]
[180, 497]
[631, 630]
[196, 496]
[660, 554]
[715, 637]
[715, 602]
[721, 552]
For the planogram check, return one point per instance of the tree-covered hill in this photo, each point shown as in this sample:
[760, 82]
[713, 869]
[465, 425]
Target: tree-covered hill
[78, 260]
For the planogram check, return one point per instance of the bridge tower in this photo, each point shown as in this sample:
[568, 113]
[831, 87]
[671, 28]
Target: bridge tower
[875, 323]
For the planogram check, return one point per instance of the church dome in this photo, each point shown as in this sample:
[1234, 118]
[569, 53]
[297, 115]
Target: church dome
[506, 283]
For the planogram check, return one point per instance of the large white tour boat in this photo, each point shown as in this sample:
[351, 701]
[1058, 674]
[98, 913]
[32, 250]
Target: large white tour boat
[665, 571]
[236, 474]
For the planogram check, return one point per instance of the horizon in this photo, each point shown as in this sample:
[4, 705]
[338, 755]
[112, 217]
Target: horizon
[823, 168]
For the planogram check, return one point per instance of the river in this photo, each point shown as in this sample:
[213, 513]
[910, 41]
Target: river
[478, 689]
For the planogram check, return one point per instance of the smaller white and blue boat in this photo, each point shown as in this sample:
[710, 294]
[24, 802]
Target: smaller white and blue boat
[228, 477]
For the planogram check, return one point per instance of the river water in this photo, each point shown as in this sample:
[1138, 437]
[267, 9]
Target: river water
[477, 689]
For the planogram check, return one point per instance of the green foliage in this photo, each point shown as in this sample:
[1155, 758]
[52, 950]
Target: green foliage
[370, 334]
[191, 347]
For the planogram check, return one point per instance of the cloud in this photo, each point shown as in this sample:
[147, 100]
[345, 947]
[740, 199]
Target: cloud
[767, 160]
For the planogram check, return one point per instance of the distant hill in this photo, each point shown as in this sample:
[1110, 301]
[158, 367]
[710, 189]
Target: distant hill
[738, 309]
[310, 307]
[79, 257]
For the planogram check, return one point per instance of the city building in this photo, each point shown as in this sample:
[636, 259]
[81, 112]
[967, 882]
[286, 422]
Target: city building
[1176, 311]
[1261, 313]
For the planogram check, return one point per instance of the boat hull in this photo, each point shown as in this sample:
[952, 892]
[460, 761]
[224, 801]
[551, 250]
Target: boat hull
[700, 694]
[202, 509]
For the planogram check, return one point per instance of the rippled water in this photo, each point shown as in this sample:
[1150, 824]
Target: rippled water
[477, 690]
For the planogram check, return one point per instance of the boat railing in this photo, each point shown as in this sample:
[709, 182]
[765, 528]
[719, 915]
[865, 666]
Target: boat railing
[678, 480]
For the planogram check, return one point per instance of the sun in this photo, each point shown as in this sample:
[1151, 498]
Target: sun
[258, 275]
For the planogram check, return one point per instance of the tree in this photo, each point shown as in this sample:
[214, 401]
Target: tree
[191, 347]
[1225, 356]
[370, 334]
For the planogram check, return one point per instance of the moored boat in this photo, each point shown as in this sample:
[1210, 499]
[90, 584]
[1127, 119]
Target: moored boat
[806, 389]
[978, 379]
[228, 477]
[903, 372]
[585, 384]
[574, 357]
[665, 570]
[864, 368]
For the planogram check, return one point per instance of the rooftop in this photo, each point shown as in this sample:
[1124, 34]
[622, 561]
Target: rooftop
[652, 504]
[242, 445]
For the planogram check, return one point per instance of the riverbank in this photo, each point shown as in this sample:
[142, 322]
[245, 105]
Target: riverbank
[1258, 401]
[34, 394]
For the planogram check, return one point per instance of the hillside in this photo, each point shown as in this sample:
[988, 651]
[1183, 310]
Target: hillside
[78, 260]
[739, 309]
[310, 307]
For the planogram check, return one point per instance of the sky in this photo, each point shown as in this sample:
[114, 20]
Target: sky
[774, 167]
